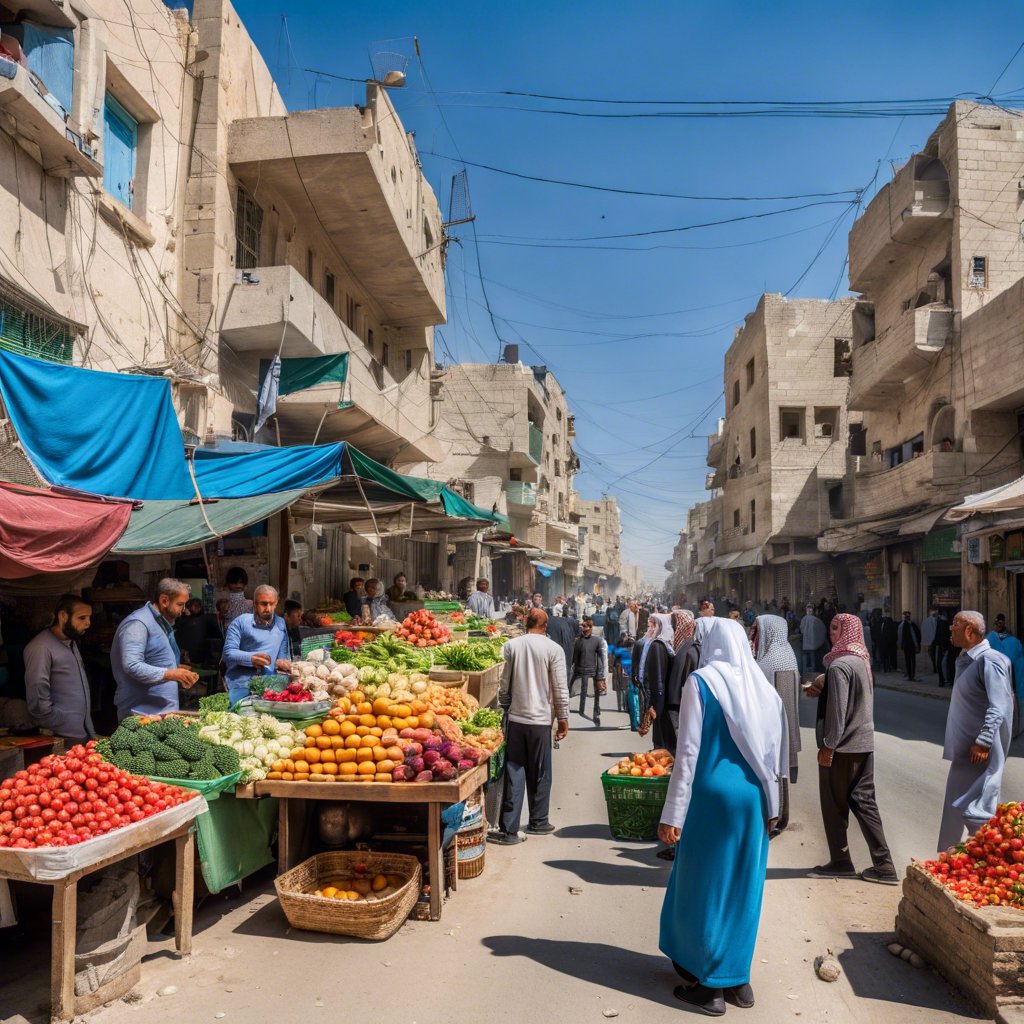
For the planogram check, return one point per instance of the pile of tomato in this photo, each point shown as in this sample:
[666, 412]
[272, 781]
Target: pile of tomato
[353, 641]
[987, 869]
[63, 800]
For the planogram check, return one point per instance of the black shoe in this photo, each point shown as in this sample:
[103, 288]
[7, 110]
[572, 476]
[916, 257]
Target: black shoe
[740, 995]
[710, 1001]
[541, 830]
[831, 870]
[669, 853]
[884, 877]
[505, 838]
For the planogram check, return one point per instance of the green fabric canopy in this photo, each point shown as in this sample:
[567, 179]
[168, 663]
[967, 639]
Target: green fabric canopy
[179, 525]
[300, 374]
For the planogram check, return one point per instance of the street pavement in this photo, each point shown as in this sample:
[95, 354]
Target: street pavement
[520, 944]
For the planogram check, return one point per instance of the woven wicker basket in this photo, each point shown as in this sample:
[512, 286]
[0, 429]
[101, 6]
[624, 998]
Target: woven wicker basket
[471, 868]
[374, 919]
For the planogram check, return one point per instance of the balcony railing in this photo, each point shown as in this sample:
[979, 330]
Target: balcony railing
[879, 491]
[521, 493]
[536, 443]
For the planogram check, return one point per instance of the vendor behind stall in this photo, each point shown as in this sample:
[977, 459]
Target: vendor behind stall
[145, 657]
[480, 602]
[376, 602]
[255, 641]
[56, 685]
[397, 591]
[353, 597]
[293, 614]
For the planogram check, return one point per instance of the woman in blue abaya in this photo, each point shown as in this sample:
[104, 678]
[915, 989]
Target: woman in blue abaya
[723, 799]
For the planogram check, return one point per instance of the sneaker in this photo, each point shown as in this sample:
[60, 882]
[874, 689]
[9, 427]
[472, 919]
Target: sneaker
[540, 830]
[883, 877]
[505, 838]
[831, 870]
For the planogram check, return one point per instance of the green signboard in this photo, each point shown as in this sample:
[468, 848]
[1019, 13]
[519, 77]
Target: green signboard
[939, 544]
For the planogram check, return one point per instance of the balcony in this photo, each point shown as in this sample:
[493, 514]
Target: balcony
[913, 204]
[386, 417]
[354, 171]
[716, 446]
[40, 130]
[881, 367]
[925, 480]
[521, 494]
[536, 443]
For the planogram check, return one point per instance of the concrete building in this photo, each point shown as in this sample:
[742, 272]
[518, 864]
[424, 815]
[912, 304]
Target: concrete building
[632, 582]
[937, 389]
[506, 432]
[695, 550]
[162, 212]
[600, 531]
[778, 456]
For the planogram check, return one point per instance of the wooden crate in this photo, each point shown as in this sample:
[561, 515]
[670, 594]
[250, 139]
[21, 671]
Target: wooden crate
[484, 685]
[979, 950]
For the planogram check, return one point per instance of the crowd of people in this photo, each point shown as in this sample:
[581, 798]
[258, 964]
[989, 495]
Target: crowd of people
[722, 693]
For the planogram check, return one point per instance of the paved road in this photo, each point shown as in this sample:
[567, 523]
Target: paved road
[517, 945]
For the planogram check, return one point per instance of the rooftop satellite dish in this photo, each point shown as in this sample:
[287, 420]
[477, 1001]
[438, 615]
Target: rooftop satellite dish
[389, 61]
[460, 206]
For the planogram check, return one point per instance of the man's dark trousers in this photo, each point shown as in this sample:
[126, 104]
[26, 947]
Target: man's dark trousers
[586, 681]
[527, 772]
[849, 785]
[910, 660]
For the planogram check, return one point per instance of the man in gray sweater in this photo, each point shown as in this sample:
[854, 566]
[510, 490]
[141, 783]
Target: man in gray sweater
[532, 692]
[845, 730]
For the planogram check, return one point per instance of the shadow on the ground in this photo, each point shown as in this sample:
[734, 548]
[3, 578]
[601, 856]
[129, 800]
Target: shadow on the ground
[598, 873]
[874, 973]
[594, 831]
[616, 968]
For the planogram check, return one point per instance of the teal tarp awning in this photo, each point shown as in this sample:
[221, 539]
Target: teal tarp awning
[301, 374]
[179, 525]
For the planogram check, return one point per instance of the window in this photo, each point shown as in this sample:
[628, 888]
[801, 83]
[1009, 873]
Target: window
[369, 338]
[835, 501]
[309, 265]
[248, 228]
[753, 443]
[120, 145]
[558, 467]
[979, 272]
[408, 360]
[596, 531]
[385, 355]
[26, 332]
[791, 424]
[329, 288]
[750, 374]
[753, 518]
[351, 306]
[735, 518]
[826, 421]
[842, 365]
[735, 393]
[515, 474]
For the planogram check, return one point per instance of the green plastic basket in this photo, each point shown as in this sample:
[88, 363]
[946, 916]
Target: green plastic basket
[634, 805]
[210, 788]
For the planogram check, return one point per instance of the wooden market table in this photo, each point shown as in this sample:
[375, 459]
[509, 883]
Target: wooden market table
[432, 794]
[64, 1004]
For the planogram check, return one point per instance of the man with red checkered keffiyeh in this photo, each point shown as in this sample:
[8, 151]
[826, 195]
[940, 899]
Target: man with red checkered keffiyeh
[845, 729]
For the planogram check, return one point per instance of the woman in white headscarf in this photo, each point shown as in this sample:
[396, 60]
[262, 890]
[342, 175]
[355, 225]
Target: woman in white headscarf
[652, 677]
[723, 799]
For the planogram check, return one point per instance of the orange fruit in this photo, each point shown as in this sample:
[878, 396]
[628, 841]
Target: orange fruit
[347, 769]
[289, 765]
[380, 706]
[313, 755]
[364, 707]
[413, 721]
[384, 721]
[366, 768]
[295, 752]
[330, 769]
[367, 719]
[353, 742]
[300, 755]
[347, 728]
[364, 754]
[363, 730]
[327, 757]
[331, 728]
[345, 756]
[323, 742]
[396, 753]
[377, 731]
[380, 753]
[387, 766]
[316, 769]
[314, 730]
[337, 742]
[310, 742]
[287, 776]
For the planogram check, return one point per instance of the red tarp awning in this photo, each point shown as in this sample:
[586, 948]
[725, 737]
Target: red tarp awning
[42, 531]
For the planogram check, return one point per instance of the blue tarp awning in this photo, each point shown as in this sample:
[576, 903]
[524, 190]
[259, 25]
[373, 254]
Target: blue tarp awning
[225, 474]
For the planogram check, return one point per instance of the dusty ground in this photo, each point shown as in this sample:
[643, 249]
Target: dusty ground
[515, 944]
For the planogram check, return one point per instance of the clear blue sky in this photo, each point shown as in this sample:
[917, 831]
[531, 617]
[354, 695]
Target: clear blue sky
[620, 327]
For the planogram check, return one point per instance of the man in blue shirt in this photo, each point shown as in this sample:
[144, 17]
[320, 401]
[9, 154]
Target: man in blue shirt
[254, 642]
[145, 658]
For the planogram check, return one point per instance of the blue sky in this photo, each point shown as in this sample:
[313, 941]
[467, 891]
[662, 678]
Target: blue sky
[635, 328]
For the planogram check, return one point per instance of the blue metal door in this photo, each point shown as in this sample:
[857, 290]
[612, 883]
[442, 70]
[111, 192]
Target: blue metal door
[120, 141]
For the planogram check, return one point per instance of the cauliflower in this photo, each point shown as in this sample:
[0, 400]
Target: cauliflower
[317, 657]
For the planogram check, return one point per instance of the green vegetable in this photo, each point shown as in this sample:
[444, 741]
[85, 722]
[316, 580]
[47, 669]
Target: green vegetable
[485, 718]
[465, 657]
[214, 702]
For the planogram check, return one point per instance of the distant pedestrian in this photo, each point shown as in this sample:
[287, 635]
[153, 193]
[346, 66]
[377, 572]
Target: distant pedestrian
[845, 730]
[532, 691]
[589, 666]
[909, 637]
[812, 639]
[706, 609]
[943, 646]
[749, 614]
[890, 643]
[686, 654]
[563, 631]
[977, 731]
[629, 621]
[722, 801]
[1002, 640]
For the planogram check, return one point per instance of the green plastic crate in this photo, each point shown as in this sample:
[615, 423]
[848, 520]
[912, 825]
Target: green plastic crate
[634, 805]
[210, 788]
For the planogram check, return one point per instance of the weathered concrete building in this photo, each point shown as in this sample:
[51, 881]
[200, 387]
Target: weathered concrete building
[936, 382]
[695, 550]
[506, 432]
[600, 532]
[779, 456]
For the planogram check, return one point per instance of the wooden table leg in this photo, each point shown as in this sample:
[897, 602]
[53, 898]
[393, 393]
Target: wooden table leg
[283, 836]
[184, 895]
[62, 949]
[434, 865]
